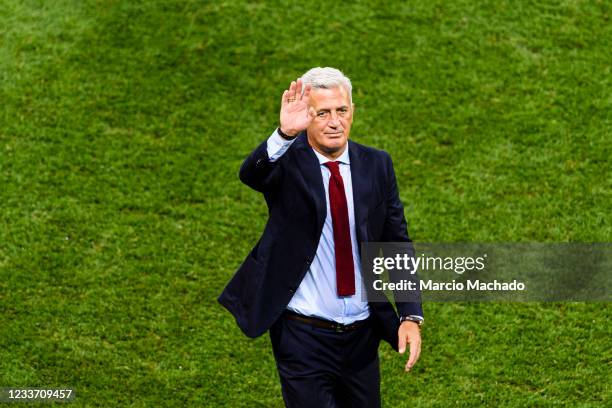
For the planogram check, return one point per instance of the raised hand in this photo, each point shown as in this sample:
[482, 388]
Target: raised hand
[295, 112]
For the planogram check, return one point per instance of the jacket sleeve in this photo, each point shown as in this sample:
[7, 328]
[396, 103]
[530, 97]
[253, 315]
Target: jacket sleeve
[258, 172]
[396, 230]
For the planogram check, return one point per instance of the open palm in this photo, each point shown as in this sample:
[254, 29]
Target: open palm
[295, 113]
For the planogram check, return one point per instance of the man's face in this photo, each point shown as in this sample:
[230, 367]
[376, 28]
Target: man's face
[329, 131]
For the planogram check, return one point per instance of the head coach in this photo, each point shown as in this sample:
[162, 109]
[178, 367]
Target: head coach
[302, 281]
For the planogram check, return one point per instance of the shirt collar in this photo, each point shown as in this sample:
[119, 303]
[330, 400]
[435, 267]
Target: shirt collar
[344, 157]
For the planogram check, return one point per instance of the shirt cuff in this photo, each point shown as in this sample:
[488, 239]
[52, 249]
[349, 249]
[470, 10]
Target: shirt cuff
[277, 146]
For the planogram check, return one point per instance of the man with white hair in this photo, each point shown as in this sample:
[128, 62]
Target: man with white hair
[302, 281]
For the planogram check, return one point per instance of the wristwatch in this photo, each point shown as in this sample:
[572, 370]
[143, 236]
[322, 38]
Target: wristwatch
[417, 319]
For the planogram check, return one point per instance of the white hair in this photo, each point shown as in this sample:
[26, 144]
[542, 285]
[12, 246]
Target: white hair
[325, 78]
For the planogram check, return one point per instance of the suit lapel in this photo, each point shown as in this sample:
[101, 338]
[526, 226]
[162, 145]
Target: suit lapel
[310, 170]
[362, 189]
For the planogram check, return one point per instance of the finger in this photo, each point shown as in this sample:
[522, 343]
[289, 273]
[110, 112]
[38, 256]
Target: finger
[306, 96]
[298, 88]
[285, 97]
[312, 112]
[413, 359]
[292, 90]
[401, 345]
[415, 352]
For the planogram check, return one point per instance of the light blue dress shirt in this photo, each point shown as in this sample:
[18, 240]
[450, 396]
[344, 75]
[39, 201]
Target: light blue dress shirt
[317, 294]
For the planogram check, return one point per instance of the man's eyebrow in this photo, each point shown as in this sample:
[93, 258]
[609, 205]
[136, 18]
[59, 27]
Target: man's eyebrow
[328, 109]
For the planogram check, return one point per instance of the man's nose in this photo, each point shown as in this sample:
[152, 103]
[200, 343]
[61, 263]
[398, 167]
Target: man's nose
[334, 120]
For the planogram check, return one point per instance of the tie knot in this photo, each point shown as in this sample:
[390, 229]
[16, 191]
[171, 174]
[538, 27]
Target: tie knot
[334, 167]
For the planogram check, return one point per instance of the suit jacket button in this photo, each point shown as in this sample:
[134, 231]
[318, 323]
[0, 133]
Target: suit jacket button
[258, 162]
[292, 291]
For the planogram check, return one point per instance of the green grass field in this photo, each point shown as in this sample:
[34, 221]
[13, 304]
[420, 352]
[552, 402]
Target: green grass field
[122, 128]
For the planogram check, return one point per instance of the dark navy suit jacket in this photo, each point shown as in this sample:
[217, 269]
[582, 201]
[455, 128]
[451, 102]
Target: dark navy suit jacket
[293, 189]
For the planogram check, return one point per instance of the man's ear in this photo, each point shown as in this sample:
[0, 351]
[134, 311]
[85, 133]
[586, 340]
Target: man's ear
[353, 107]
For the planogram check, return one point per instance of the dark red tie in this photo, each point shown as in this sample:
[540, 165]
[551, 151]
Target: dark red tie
[345, 272]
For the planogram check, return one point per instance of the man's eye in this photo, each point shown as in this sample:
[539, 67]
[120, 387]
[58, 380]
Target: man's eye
[321, 114]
